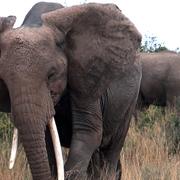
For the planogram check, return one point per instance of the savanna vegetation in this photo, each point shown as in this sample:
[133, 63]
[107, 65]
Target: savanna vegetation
[151, 150]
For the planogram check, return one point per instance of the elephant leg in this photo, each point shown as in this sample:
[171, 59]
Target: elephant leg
[87, 135]
[118, 170]
[95, 166]
[98, 169]
[111, 152]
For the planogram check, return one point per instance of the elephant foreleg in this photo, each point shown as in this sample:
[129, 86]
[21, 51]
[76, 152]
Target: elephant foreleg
[99, 168]
[111, 152]
[87, 134]
[118, 170]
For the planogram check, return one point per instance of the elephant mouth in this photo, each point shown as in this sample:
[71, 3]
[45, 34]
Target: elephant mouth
[55, 97]
[56, 145]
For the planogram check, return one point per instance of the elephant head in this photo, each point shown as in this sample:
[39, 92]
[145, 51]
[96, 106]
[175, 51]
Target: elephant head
[81, 48]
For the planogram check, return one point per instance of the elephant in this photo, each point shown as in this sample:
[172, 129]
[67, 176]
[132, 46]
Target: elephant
[77, 64]
[160, 84]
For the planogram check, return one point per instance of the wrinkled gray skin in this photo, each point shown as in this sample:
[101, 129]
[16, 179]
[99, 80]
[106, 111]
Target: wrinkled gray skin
[160, 84]
[79, 64]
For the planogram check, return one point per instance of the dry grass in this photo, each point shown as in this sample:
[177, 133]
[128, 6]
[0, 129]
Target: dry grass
[20, 170]
[147, 158]
[145, 155]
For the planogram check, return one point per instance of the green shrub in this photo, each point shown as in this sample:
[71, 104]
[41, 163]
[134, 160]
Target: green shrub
[172, 129]
[5, 127]
[150, 116]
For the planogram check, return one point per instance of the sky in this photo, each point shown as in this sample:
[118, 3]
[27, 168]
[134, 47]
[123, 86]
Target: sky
[159, 18]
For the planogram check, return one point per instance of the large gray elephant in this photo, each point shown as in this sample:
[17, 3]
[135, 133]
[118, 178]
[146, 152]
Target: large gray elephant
[160, 84]
[79, 65]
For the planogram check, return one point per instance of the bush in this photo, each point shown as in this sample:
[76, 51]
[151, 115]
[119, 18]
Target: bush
[5, 127]
[150, 116]
[172, 130]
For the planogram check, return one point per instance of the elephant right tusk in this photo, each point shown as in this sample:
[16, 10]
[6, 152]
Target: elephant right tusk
[14, 148]
[57, 149]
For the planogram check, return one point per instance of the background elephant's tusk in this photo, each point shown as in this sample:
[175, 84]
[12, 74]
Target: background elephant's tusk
[57, 149]
[14, 148]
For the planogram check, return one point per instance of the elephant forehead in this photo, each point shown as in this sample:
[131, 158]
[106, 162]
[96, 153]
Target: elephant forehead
[22, 49]
[32, 35]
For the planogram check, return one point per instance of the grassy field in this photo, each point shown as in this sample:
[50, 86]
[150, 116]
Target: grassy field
[151, 151]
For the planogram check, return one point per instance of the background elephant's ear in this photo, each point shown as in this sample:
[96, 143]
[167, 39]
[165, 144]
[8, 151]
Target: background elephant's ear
[4, 98]
[7, 23]
[100, 43]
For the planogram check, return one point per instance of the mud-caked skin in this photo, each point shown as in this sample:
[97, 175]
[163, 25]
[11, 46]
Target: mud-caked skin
[79, 65]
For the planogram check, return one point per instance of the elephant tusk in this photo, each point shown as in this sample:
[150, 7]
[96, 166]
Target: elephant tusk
[57, 149]
[14, 148]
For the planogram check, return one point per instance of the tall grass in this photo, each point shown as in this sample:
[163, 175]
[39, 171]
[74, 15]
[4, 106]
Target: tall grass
[20, 171]
[151, 150]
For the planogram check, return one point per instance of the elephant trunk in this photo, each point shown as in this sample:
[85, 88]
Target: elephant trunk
[31, 113]
[32, 135]
[37, 155]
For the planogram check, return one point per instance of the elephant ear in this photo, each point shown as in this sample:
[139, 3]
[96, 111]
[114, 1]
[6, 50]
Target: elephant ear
[100, 44]
[7, 23]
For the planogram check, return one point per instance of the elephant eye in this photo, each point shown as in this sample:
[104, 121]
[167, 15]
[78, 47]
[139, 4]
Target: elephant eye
[51, 74]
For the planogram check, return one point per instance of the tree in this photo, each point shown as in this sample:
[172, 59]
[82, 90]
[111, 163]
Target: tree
[151, 44]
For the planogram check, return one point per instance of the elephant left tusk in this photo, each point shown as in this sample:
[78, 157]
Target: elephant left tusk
[57, 149]
[14, 148]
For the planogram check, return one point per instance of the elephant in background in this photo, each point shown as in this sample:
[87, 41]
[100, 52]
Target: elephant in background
[79, 65]
[160, 84]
